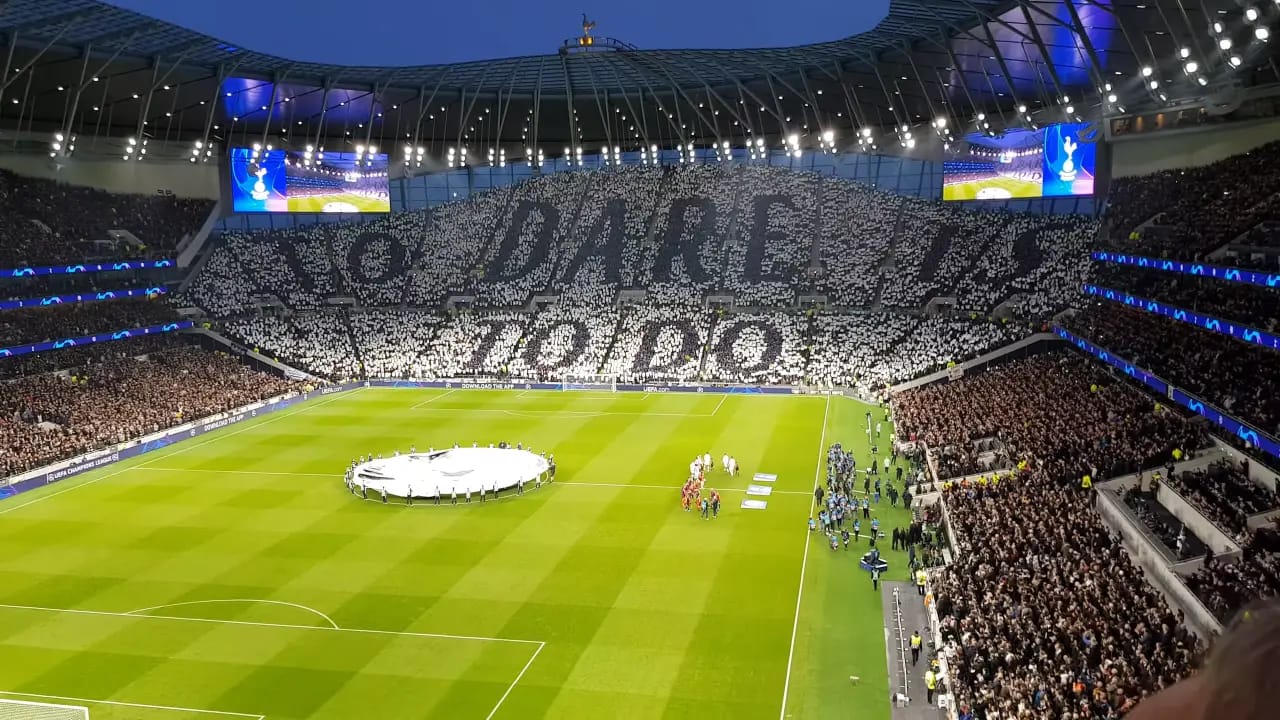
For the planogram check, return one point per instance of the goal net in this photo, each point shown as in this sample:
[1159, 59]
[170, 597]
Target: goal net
[23, 710]
[604, 382]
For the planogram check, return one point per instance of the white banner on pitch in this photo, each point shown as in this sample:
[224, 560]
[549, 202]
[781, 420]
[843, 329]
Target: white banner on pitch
[754, 504]
[765, 477]
[759, 490]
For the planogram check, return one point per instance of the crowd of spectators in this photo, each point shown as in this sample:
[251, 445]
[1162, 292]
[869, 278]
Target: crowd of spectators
[393, 343]
[758, 349]
[1044, 614]
[764, 236]
[659, 343]
[1177, 539]
[858, 227]
[1195, 210]
[245, 271]
[1252, 305]
[475, 343]
[317, 342]
[1226, 587]
[983, 257]
[564, 340]
[1060, 412]
[1224, 493]
[639, 343]
[868, 351]
[766, 258]
[30, 325]
[50, 417]
[80, 355]
[49, 222]
[1240, 378]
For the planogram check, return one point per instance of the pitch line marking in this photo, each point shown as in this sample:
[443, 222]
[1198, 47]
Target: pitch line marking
[117, 703]
[536, 413]
[513, 684]
[145, 612]
[532, 413]
[288, 626]
[216, 436]
[163, 453]
[571, 483]
[804, 562]
[723, 397]
[430, 400]
[91, 481]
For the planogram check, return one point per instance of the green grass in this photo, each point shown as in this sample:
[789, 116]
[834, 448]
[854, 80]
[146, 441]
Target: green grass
[609, 599]
[1014, 187]
[315, 204]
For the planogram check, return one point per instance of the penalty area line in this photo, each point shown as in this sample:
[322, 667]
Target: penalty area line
[118, 703]
[430, 400]
[515, 682]
[288, 626]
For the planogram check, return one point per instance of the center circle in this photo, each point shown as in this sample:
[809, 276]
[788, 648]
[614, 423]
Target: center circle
[444, 473]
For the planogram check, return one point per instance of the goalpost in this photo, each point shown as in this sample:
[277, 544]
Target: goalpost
[589, 381]
[23, 710]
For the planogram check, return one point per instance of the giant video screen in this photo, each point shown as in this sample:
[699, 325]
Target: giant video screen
[1054, 161]
[282, 181]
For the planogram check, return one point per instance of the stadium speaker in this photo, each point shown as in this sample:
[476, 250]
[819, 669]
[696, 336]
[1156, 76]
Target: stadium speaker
[1226, 98]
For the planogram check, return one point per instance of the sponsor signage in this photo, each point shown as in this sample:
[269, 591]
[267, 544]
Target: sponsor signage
[1219, 272]
[1245, 433]
[1243, 333]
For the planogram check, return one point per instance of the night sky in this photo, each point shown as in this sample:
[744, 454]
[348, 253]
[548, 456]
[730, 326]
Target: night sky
[422, 32]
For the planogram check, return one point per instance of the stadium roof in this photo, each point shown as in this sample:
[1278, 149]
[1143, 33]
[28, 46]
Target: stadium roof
[85, 67]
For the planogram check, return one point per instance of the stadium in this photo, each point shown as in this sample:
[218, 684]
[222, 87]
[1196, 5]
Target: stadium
[909, 359]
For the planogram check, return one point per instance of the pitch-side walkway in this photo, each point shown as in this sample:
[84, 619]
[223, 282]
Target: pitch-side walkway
[913, 618]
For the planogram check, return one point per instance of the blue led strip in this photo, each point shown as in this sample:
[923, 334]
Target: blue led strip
[1156, 384]
[1243, 333]
[80, 298]
[1219, 272]
[87, 268]
[1255, 437]
[91, 339]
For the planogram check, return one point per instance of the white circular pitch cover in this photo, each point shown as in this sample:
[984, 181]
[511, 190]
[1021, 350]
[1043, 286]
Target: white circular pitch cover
[340, 207]
[444, 472]
[994, 193]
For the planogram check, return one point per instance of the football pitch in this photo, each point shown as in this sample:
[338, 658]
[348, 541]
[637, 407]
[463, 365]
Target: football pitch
[361, 203]
[1005, 187]
[233, 576]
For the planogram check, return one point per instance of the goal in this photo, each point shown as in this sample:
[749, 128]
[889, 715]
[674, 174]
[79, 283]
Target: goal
[588, 381]
[23, 710]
